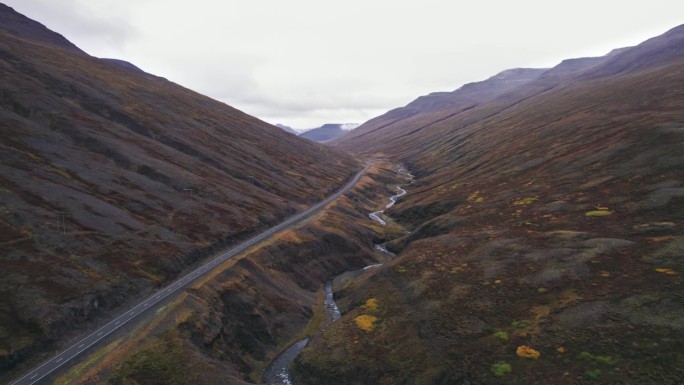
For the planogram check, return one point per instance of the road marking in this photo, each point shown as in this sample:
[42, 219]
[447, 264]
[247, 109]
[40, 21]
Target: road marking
[80, 346]
[100, 333]
[34, 376]
[117, 322]
[60, 359]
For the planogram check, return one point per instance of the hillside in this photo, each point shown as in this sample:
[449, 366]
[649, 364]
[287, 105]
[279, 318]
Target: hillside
[546, 233]
[113, 181]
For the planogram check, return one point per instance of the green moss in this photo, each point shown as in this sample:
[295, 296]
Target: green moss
[593, 374]
[501, 368]
[502, 335]
[519, 324]
[604, 360]
[598, 213]
[601, 360]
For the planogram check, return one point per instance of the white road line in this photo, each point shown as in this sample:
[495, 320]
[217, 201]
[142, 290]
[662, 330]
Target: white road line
[100, 333]
[116, 323]
[34, 376]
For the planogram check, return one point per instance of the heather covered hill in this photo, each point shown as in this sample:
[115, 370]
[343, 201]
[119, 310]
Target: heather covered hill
[546, 238]
[114, 180]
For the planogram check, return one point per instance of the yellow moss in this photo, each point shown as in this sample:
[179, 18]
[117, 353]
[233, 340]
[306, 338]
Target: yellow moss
[59, 171]
[366, 322]
[371, 304]
[475, 197]
[525, 201]
[561, 349]
[598, 213]
[666, 270]
[498, 282]
[527, 352]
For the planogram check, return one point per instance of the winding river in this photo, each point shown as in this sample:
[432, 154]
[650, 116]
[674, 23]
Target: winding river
[278, 372]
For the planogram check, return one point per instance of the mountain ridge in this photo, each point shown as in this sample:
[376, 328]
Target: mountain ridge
[116, 180]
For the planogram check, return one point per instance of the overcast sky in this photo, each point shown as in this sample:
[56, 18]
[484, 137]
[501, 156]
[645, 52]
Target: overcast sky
[303, 63]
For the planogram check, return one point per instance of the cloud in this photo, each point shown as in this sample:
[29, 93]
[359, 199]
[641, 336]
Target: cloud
[308, 62]
[98, 27]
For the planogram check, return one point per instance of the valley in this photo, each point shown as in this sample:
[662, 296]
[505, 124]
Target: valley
[526, 228]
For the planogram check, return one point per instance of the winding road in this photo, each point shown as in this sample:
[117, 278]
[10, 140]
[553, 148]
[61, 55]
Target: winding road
[68, 354]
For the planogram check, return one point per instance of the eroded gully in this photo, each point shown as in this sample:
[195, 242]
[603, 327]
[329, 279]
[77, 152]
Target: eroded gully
[278, 372]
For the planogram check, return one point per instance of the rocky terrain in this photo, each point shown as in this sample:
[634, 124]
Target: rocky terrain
[546, 241]
[114, 180]
[228, 327]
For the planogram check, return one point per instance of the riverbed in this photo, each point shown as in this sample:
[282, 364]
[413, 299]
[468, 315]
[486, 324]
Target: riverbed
[278, 372]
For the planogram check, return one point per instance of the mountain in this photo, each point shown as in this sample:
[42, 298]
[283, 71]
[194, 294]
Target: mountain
[543, 232]
[114, 181]
[287, 129]
[328, 132]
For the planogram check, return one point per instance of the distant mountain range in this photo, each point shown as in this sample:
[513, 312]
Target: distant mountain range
[287, 129]
[328, 132]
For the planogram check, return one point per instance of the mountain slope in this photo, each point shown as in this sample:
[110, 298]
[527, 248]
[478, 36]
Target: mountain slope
[115, 180]
[546, 221]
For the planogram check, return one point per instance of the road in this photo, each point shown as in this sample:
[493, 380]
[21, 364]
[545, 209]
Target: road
[68, 354]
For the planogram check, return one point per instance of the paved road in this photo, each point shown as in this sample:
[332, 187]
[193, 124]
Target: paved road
[49, 366]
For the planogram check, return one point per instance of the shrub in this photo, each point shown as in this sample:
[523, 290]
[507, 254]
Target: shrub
[501, 368]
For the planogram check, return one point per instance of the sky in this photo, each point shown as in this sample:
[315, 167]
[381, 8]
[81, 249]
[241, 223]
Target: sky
[304, 63]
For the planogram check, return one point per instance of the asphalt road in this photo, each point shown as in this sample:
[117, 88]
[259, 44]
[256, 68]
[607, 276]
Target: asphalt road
[68, 354]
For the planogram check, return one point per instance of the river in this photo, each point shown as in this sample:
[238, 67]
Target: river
[278, 372]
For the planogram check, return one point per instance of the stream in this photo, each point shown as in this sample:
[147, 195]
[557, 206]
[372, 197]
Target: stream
[278, 372]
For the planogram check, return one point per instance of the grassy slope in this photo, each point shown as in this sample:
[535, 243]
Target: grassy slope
[556, 218]
[151, 177]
